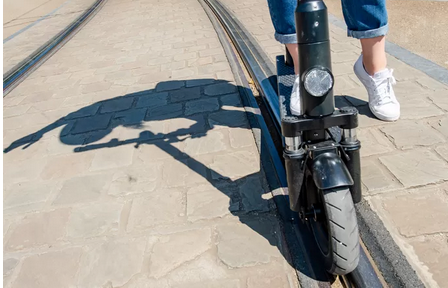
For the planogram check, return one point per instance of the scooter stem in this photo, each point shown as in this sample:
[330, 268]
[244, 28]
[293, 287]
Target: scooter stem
[314, 52]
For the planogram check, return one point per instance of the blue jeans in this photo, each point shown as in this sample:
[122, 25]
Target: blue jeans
[364, 19]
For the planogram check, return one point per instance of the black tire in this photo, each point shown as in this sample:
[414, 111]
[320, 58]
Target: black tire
[340, 246]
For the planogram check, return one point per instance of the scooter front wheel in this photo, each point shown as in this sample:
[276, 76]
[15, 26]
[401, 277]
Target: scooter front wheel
[335, 229]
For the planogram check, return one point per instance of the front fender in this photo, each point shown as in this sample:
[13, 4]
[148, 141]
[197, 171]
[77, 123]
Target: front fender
[330, 172]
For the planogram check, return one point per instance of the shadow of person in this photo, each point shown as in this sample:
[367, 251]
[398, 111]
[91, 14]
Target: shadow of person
[192, 108]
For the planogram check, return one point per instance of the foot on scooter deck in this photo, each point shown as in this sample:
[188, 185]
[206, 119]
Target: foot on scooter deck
[285, 82]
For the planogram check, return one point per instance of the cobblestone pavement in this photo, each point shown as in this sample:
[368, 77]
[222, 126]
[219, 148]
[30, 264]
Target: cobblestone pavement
[404, 164]
[129, 162]
[24, 43]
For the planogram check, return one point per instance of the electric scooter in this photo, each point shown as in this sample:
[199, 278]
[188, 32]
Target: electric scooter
[321, 150]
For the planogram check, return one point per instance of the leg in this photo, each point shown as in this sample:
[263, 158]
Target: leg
[282, 16]
[293, 49]
[283, 19]
[367, 20]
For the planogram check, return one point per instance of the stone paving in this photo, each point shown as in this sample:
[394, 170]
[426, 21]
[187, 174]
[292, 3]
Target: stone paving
[23, 44]
[404, 164]
[129, 162]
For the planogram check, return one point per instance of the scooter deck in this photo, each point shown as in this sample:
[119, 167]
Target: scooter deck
[285, 81]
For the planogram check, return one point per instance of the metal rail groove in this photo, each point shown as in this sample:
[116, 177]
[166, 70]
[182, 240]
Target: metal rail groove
[365, 275]
[254, 63]
[23, 69]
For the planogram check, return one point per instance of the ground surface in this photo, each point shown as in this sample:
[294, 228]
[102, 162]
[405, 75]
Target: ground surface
[19, 14]
[188, 206]
[27, 26]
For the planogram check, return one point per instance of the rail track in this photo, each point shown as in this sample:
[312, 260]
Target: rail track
[255, 76]
[18, 73]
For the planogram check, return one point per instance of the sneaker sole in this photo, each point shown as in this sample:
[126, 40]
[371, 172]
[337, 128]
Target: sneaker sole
[384, 118]
[295, 112]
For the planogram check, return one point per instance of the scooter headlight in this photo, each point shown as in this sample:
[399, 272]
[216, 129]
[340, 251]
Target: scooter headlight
[318, 81]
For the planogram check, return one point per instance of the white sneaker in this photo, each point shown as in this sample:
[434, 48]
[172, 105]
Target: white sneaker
[294, 104]
[382, 101]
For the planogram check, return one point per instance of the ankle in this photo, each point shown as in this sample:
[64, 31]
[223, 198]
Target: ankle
[374, 54]
[374, 67]
[293, 50]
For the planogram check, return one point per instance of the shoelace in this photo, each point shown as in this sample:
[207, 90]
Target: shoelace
[384, 95]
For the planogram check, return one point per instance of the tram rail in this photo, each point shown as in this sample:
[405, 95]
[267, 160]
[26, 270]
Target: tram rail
[24, 68]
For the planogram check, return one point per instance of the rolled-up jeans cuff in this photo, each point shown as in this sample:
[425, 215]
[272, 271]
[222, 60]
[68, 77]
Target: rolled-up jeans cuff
[369, 33]
[286, 38]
